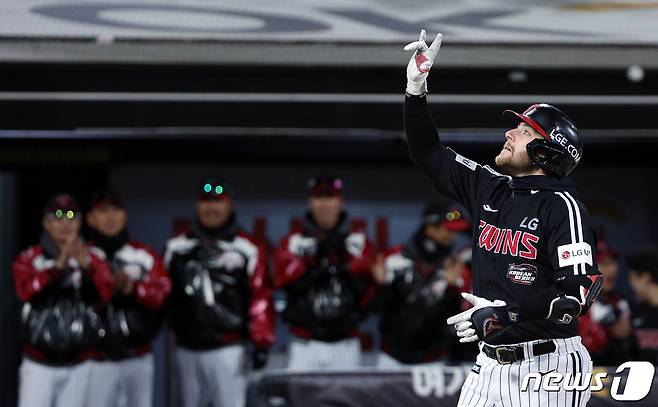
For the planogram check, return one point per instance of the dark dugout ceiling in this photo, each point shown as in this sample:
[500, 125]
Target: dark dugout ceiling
[303, 73]
[97, 96]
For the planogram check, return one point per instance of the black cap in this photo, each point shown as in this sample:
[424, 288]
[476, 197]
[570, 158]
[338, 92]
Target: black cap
[604, 251]
[105, 197]
[644, 260]
[446, 214]
[214, 188]
[62, 205]
[325, 185]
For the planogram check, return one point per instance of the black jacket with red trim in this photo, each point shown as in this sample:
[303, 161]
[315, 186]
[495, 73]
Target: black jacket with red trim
[221, 291]
[645, 332]
[533, 232]
[415, 301]
[597, 329]
[59, 311]
[326, 275]
[130, 322]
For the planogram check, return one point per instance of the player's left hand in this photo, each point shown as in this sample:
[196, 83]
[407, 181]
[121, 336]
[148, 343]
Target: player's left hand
[466, 326]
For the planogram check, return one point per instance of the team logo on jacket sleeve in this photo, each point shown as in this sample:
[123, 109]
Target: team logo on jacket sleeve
[524, 274]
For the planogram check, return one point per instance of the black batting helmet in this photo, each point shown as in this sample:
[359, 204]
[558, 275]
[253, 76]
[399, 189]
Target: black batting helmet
[561, 148]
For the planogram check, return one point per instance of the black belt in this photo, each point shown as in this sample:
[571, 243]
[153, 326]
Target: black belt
[506, 355]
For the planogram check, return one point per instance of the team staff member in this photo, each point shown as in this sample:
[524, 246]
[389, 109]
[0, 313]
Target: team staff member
[221, 302]
[421, 282]
[325, 270]
[606, 329]
[534, 263]
[122, 374]
[59, 282]
[643, 276]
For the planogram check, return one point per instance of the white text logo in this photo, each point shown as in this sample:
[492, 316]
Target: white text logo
[638, 382]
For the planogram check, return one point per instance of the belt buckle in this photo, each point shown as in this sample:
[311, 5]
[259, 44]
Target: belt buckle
[501, 359]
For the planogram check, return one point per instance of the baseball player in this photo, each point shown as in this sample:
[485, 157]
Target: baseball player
[324, 269]
[534, 266]
[420, 285]
[122, 372]
[59, 282]
[221, 302]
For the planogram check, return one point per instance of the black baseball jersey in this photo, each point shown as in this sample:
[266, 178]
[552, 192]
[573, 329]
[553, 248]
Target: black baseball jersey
[531, 231]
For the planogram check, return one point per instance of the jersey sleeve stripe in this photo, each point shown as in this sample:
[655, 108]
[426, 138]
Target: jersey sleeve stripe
[579, 223]
[491, 170]
[579, 226]
[571, 225]
[496, 173]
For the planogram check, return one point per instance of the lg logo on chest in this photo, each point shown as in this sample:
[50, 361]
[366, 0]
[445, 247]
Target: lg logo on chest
[529, 224]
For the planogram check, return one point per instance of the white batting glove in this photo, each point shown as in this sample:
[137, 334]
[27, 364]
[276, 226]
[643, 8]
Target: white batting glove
[421, 63]
[462, 321]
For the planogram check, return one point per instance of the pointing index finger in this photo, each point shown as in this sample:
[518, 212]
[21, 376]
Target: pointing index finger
[461, 317]
[470, 298]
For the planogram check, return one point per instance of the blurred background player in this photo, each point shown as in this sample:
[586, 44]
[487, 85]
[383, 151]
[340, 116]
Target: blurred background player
[606, 330]
[324, 269]
[122, 375]
[221, 300]
[643, 273]
[422, 283]
[60, 282]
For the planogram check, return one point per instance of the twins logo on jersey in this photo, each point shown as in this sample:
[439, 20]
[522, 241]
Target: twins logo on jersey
[506, 241]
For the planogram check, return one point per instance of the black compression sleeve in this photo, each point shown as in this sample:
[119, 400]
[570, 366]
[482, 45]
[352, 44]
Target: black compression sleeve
[422, 136]
[536, 306]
